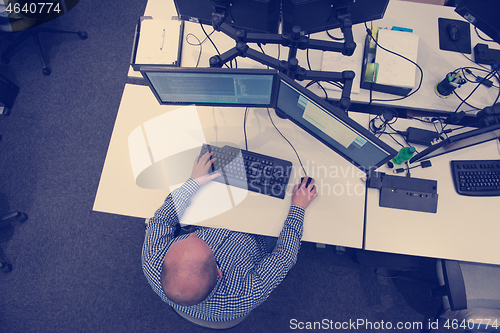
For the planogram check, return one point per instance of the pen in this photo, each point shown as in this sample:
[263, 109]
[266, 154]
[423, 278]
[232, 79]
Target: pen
[162, 39]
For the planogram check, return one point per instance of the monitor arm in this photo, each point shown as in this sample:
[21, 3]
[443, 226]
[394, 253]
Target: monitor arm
[293, 40]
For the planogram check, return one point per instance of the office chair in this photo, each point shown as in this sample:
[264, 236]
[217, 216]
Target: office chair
[470, 293]
[215, 325]
[28, 24]
[7, 221]
[8, 95]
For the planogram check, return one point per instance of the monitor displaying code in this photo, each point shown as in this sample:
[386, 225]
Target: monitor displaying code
[212, 88]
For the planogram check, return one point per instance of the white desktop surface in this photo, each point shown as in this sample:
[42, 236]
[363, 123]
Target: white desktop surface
[335, 217]
[464, 228]
[436, 63]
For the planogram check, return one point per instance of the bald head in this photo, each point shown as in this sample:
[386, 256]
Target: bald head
[189, 271]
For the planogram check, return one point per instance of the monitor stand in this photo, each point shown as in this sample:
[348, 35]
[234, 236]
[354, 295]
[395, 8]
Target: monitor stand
[294, 40]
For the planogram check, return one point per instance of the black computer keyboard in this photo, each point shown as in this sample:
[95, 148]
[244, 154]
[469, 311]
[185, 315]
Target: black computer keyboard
[476, 177]
[248, 170]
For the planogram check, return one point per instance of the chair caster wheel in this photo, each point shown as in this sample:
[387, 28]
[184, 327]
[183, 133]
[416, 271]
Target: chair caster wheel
[22, 217]
[46, 71]
[83, 34]
[6, 268]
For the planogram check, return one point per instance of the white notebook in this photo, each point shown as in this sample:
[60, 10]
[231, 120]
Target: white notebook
[158, 42]
[393, 70]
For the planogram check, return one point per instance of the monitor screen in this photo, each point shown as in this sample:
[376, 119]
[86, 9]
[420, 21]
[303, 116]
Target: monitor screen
[459, 141]
[483, 14]
[332, 126]
[320, 15]
[212, 86]
[251, 15]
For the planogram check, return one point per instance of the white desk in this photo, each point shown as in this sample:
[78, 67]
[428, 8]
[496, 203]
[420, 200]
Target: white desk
[464, 228]
[436, 63]
[335, 217]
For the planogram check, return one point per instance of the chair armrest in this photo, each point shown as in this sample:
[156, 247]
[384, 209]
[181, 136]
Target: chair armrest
[454, 281]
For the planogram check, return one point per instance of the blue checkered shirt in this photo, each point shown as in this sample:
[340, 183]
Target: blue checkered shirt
[249, 272]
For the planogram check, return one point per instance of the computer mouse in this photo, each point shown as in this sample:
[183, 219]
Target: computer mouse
[453, 31]
[308, 181]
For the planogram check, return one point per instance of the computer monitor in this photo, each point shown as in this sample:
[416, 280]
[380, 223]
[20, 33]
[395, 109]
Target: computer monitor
[321, 15]
[271, 89]
[459, 141]
[212, 86]
[331, 126]
[251, 15]
[484, 14]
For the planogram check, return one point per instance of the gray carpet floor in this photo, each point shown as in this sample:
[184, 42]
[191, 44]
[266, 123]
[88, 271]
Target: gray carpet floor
[76, 270]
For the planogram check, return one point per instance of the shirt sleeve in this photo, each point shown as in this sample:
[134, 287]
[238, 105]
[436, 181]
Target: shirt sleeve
[273, 269]
[161, 227]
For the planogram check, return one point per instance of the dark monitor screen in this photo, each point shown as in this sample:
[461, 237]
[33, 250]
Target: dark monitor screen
[459, 141]
[252, 15]
[212, 86]
[332, 126]
[484, 14]
[320, 15]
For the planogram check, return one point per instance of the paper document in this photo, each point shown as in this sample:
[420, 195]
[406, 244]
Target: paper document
[392, 69]
[336, 62]
[158, 42]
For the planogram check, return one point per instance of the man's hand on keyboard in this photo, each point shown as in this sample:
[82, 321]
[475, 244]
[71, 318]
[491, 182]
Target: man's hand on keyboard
[201, 167]
[302, 196]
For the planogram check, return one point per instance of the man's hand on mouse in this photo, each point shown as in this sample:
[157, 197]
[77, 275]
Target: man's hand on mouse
[200, 169]
[302, 196]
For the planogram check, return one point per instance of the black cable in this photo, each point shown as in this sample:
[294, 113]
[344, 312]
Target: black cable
[377, 129]
[404, 138]
[336, 84]
[381, 129]
[211, 41]
[496, 74]
[472, 92]
[307, 58]
[399, 143]
[435, 127]
[369, 32]
[262, 50]
[245, 128]
[466, 103]
[482, 38]
[477, 78]
[319, 84]
[298, 157]
[312, 82]
[334, 38]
